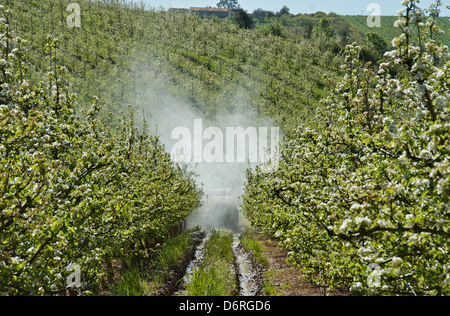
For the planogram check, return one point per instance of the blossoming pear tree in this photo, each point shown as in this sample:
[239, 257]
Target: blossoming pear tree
[368, 183]
[74, 192]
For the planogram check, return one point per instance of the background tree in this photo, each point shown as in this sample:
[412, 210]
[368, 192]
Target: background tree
[244, 20]
[276, 28]
[284, 10]
[262, 15]
[229, 4]
[374, 47]
[324, 27]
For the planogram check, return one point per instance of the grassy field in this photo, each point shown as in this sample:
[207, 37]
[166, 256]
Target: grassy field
[388, 30]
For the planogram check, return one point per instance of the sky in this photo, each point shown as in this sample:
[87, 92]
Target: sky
[345, 7]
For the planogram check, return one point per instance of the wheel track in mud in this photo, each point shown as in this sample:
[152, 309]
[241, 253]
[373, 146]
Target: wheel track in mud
[247, 272]
[176, 274]
[248, 276]
[194, 263]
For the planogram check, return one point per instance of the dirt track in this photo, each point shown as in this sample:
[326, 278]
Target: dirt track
[287, 279]
[254, 279]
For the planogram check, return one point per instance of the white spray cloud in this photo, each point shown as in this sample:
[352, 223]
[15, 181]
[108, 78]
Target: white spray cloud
[191, 136]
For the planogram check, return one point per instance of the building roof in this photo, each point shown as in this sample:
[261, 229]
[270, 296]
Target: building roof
[179, 9]
[209, 9]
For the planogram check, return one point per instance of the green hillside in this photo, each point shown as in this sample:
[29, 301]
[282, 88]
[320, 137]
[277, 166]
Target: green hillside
[208, 63]
[389, 31]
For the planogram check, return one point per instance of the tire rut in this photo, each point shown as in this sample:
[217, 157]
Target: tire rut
[246, 269]
[248, 275]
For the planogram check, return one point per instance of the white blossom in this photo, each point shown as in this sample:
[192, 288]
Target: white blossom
[399, 23]
[345, 224]
[360, 220]
[397, 260]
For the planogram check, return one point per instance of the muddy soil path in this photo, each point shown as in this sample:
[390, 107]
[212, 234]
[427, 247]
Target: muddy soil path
[172, 281]
[277, 277]
[193, 264]
[246, 269]
[285, 279]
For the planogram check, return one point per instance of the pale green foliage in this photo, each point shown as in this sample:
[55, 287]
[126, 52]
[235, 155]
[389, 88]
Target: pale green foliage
[74, 191]
[370, 183]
